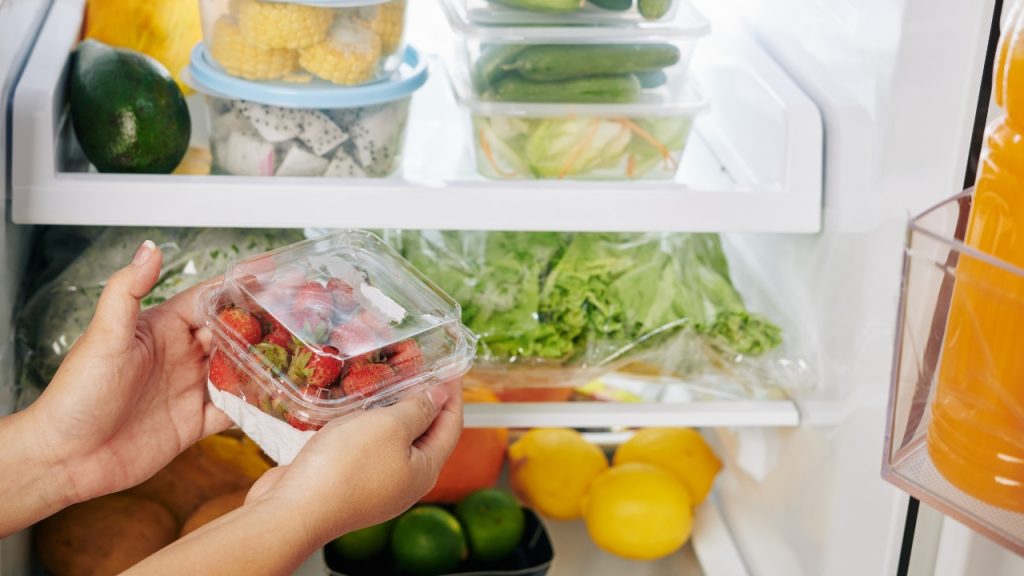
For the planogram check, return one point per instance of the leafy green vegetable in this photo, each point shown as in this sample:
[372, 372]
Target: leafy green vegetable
[589, 299]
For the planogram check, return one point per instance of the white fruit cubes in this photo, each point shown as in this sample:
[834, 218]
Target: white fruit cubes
[294, 130]
[345, 42]
[324, 328]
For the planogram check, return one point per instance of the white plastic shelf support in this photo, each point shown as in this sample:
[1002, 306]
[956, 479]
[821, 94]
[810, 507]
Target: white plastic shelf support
[754, 163]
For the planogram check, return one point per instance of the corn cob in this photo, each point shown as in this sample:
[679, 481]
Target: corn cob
[240, 58]
[385, 20]
[349, 55]
[277, 25]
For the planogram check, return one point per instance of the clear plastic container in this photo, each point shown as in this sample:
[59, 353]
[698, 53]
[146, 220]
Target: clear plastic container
[955, 432]
[576, 12]
[289, 130]
[320, 329]
[533, 116]
[345, 42]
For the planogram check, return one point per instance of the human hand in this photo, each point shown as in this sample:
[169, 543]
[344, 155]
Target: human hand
[131, 393]
[367, 469]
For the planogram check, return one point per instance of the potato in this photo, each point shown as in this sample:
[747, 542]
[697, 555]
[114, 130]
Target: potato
[104, 536]
[212, 467]
[212, 509]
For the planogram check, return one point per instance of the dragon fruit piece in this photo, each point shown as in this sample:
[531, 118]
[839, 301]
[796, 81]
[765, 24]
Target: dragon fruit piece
[298, 162]
[231, 121]
[344, 117]
[377, 137]
[245, 154]
[320, 133]
[343, 166]
[273, 123]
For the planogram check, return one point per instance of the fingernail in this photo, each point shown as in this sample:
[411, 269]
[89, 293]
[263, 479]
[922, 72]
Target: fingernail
[438, 396]
[143, 254]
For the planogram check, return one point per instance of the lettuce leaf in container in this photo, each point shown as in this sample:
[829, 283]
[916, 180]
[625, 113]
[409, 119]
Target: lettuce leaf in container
[57, 313]
[554, 309]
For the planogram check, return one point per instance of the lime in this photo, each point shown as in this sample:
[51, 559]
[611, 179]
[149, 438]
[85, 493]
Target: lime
[494, 523]
[427, 541]
[364, 544]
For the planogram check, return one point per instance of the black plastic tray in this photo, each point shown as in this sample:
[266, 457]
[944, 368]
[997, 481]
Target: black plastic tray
[533, 557]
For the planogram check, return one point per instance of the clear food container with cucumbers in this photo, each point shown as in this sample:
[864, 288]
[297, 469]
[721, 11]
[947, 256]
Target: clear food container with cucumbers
[602, 104]
[260, 129]
[346, 42]
[575, 12]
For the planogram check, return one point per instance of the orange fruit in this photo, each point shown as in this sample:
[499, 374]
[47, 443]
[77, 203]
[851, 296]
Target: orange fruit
[477, 459]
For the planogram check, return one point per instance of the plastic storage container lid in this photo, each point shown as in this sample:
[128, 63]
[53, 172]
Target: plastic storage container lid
[206, 76]
[685, 99]
[368, 299]
[689, 24]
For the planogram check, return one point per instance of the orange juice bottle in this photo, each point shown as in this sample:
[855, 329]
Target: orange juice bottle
[976, 434]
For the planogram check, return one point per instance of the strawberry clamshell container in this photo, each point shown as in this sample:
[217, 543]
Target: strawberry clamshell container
[323, 329]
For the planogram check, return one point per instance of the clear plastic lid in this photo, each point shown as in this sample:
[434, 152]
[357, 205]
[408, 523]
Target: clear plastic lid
[205, 76]
[689, 24]
[341, 322]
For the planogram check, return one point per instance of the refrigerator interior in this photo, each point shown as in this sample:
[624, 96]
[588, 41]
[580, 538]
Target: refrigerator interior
[832, 121]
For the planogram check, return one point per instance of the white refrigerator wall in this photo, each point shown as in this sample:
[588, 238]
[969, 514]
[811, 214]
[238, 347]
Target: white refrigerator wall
[897, 83]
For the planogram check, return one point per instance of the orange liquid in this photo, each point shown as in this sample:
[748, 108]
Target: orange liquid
[976, 435]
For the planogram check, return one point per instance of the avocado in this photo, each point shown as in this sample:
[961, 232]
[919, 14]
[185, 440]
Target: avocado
[128, 113]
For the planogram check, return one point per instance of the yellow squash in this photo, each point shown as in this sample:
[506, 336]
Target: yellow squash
[167, 30]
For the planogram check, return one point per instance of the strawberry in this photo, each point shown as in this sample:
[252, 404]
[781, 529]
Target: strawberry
[316, 370]
[244, 325]
[374, 323]
[225, 373]
[405, 358]
[364, 379]
[312, 295]
[272, 356]
[298, 424]
[344, 296]
[278, 335]
[353, 338]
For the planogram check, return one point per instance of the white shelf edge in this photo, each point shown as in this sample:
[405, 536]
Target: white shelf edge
[789, 202]
[773, 413]
[714, 545]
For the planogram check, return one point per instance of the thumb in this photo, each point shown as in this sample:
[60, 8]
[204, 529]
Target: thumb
[118, 308]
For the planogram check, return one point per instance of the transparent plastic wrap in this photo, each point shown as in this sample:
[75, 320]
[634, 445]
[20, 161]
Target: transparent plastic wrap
[57, 313]
[346, 42]
[321, 329]
[558, 310]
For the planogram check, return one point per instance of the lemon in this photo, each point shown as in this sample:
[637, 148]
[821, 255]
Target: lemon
[681, 451]
[638, 511]
[551, 468]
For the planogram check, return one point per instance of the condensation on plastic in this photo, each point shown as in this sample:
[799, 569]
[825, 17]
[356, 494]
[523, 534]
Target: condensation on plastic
[559, 310]
[58, 311]
[955, 435]
[345, 42]
[368, 303]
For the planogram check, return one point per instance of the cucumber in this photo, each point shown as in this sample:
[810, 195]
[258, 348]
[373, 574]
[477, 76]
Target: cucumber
[491, 65]
[553, 6]
[650, 80]
[653, 9]
[616, 5]
[561, 62]
[596, 89]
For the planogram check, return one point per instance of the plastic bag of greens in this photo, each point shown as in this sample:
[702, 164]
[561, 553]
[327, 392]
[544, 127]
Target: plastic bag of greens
[554, 309]
[57, 313]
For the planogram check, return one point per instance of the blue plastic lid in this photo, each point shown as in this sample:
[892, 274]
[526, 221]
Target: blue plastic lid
[206, 76]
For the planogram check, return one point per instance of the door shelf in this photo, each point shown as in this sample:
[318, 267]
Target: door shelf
[754, 163]
[710, 552]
